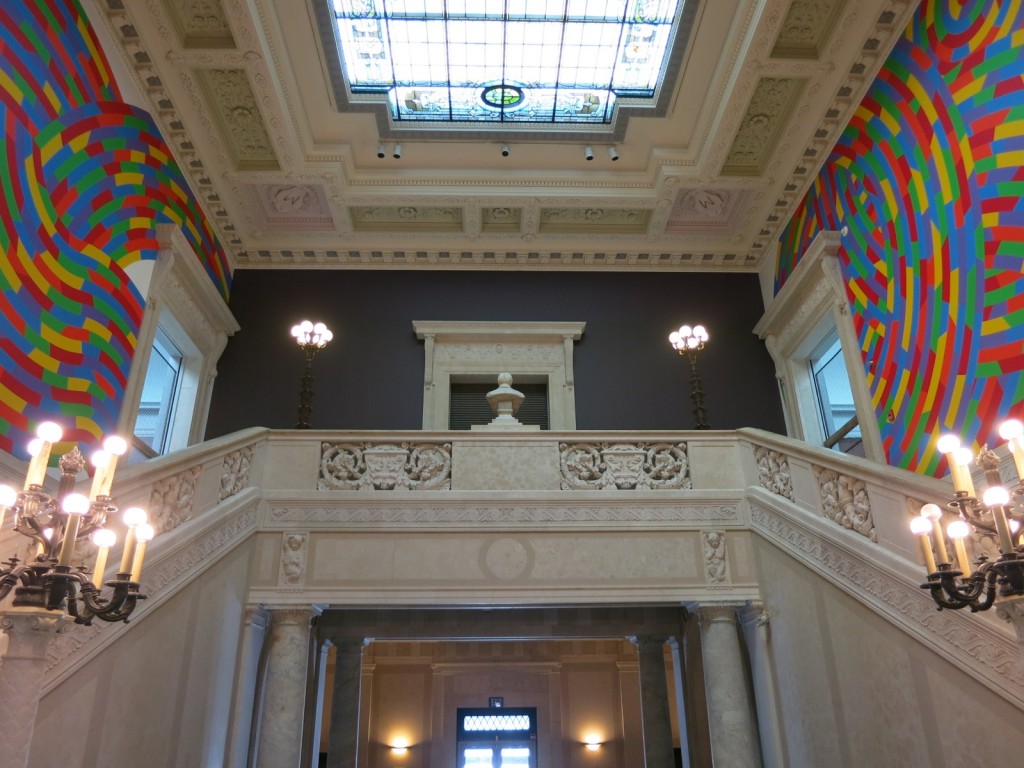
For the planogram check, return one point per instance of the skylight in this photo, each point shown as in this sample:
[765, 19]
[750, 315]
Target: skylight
[505, 61]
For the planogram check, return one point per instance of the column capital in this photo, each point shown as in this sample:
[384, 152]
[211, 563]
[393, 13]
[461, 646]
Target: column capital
[301, 615]
[29, 631]
[711, 613]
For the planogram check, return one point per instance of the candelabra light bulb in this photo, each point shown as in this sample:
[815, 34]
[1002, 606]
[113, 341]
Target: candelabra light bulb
[104, 538]
[7, 496]
[133, 517]
[35, 446]
[948, 443]
[75, 504]
[1010, 429]
[144, 532]
[931, 511]
[115, 445]
[958, 529]
[996, 495]
[49, 431]
[919, 526]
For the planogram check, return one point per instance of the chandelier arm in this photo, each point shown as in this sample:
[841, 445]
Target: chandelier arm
[118, 607]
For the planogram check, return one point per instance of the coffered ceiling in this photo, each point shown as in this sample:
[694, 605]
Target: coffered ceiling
[288, 170]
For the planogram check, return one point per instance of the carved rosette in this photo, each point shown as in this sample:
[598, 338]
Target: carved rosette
[624, 466]
[234, 475]
[844, 500]
[773, 472]
[172, 500]
[385, 466]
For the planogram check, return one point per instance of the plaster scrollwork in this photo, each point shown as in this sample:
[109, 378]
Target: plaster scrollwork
[293, 560]
[234, 476]
[716, 561]
[773, 472]
[844, 500]
[385, 466]
[172, 500]
[611, 466]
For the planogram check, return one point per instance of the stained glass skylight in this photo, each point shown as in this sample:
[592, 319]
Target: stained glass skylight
[505, 61]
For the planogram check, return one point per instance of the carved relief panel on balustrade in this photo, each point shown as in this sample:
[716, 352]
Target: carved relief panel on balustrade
[844, 500]
[385, 466]
[773, 472]
[624, 466]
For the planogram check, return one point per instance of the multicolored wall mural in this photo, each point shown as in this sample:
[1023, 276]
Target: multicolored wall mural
[85, 178]
[929, 179]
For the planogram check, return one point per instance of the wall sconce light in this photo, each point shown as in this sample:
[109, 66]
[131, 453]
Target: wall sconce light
[588, 152]
[592, 743]
[613, 154]
[382, 151]
[504, 150]
[396, 151]
[399, 747]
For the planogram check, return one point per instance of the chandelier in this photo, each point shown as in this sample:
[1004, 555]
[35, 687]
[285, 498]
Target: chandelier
[689, 341]
[997, 515]
[51, 579]
[311, 338]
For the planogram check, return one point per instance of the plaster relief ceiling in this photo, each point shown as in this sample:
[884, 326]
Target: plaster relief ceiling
[292, 172]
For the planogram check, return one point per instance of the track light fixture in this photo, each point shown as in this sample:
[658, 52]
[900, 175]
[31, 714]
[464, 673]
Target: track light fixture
[396, 151]
[382, 151]
[613, 153]
[504, 150]
[588, 153]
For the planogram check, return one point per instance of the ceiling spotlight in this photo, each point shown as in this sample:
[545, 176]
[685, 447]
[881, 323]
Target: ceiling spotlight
[588, 153]
[613, 153]
[396, 151]
[504, 150]
[381, 150]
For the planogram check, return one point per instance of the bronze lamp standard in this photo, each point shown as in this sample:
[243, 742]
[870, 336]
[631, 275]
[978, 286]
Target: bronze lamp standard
[311, 338]
[689, 341]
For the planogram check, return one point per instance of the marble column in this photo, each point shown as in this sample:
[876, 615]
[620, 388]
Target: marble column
[22, 668]
[754, 622]
[285, 686]
[257, 623]
[344, 736]
[654, 702]
[734, 737]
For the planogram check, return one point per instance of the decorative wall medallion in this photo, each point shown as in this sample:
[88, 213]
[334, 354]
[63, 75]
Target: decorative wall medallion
[773, 471]
[385, 466]
[506, 558]
[844, 500]
[607, 466]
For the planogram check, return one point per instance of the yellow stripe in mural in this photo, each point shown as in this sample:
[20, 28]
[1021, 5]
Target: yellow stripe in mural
[922, 196]
[909, 278]
[890, 201]
[43, 359]
[62, 342]
[1010, 159]
[994, 325]
[933, 381]
[12, 278]
[7, 86]
[52, 97]
[92, 326]
[958, 395]
[11, 400]
[97, 58]
[970, 89]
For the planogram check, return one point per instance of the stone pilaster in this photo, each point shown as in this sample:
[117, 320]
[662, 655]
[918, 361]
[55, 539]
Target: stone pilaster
[344, 735]
[257, 625]
[21, 678]
[734, 737]
[654, 702]
[754, 622]
[284, 701]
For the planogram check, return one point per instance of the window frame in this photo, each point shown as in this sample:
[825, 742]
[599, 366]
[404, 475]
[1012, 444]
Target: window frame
[811, 305]
[181, 301]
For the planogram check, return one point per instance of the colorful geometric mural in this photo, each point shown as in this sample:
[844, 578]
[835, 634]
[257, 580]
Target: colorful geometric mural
[85, 178]
[929, 179]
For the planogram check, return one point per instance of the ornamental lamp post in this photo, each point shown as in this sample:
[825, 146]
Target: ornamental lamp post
[689, 341]
[311, 338]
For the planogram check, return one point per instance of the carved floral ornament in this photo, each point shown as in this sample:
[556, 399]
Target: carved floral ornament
[773, 472]
[385, 466]
[844, 500]
[610, 466]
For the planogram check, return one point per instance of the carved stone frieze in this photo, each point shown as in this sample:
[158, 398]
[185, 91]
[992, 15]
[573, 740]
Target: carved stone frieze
[401, 514]
[716, 561]
[385, 466]
[773, 471]
[406, 218]
[610, 466]
[234, 476]
[172, 500]
[593, 219]
[499, 351]
[844, 500]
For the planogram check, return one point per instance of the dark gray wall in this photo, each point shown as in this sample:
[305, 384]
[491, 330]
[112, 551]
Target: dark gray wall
[371, 375]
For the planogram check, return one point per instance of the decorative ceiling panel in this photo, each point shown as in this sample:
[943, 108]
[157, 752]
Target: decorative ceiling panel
[705, 210]
[231, 99]
[201, 23]
[501, 219]
[405, 218]
[806, 28]
[292, 206]
[594, 220]
[769, 112]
